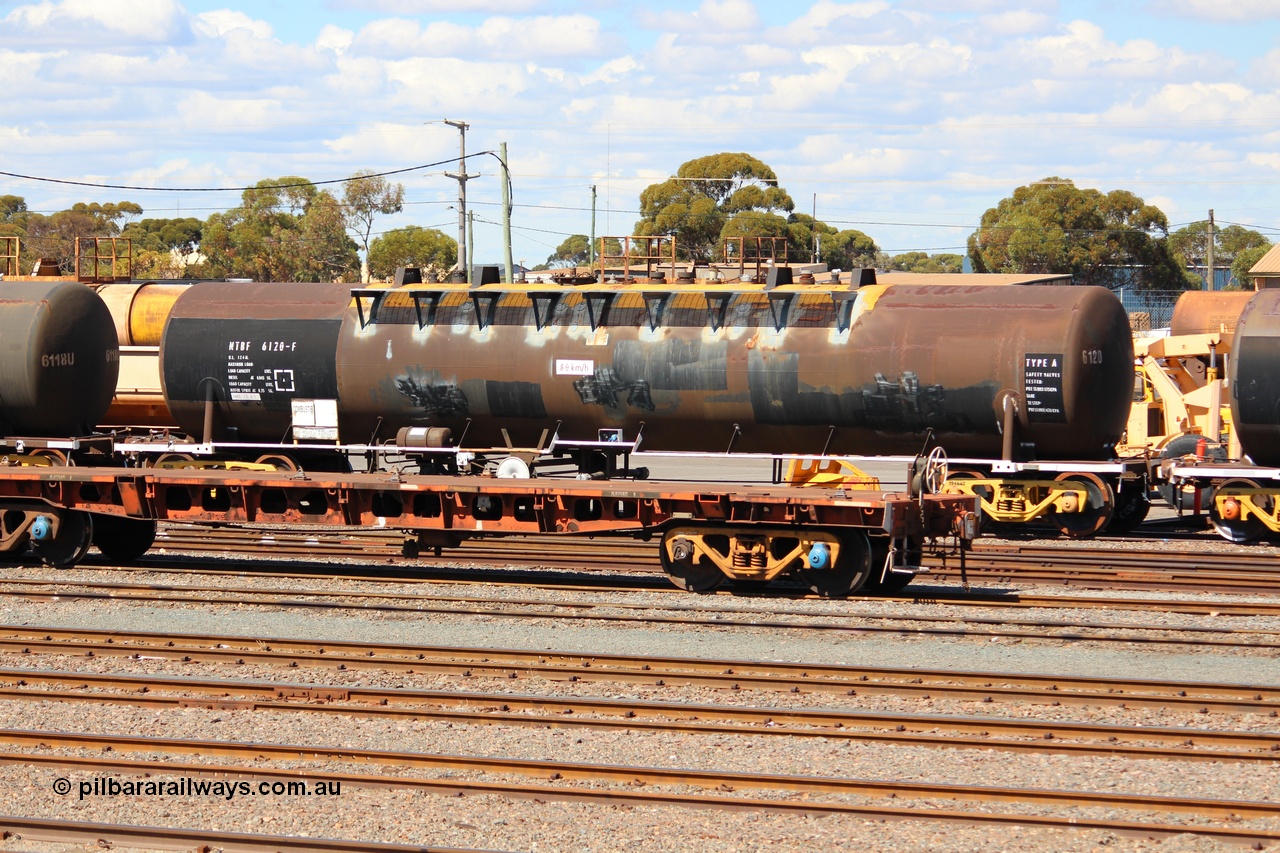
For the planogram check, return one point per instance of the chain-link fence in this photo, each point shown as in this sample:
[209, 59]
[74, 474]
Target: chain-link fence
[1149, 309]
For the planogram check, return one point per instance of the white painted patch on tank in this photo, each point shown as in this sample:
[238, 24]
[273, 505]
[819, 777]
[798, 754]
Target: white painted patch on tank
[389, 349]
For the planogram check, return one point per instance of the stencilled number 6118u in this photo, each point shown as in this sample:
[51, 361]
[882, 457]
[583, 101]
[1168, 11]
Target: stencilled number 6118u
[1091, 356]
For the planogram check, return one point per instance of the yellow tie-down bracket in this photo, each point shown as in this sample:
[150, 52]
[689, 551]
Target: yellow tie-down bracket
[826, 472]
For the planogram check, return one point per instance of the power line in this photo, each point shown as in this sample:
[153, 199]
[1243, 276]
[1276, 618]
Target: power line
[234, 189]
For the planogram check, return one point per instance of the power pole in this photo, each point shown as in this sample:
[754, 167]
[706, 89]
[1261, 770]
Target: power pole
[591, 244]
[471, 235]
[1208, 257]
[506, 214]
[815, 228]
[461, 177]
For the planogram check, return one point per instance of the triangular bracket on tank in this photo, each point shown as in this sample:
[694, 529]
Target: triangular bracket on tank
[432, 298]
[598, 305]
[654, 305]
[484, 305]
[717, 307]
[844, 300]
[544, 307]
[780, 307]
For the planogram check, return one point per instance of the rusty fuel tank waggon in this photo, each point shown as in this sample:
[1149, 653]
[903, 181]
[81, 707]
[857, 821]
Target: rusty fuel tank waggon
[140, 310]
[1201, 312]
[791, 369]
[59, 359]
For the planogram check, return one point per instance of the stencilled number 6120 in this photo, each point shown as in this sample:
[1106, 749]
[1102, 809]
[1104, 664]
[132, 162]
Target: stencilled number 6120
[1091, 356]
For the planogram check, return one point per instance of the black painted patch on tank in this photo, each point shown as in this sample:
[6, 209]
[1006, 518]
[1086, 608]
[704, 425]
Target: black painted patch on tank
[433, 397]
[673, 365]
[254, 362]
[897, 405]
[515, 399]
[605, 388]
[1042, 382]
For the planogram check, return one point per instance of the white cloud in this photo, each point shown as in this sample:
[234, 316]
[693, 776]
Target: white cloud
[398, 37]
[1081, 49]
[228, 114]
[1017, 23]
[219, 23]
[432, 85]
[613, 71]
[19, 71]
[1266, 159]
[1219, 12]
[1194, 103]
[824, 14]
[439, 7]
[1266, 69]
[978, 7]
[335, 39]
[711, 19]
[71, 21]
[836, 69]
[495, 38]
[166, 69]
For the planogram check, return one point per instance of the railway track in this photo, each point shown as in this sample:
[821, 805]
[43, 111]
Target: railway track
[572, 771]
[515, 664]
[111, 835]
[611, 785]
[84, 754]
[716, 720]
[1233, 570]
[677, 612]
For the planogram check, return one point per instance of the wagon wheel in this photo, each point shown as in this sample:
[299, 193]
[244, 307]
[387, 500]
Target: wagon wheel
[1132, 506]
[892, 581]
[279, 462]
[123, 540]
[676, 552]
[1228, 522]
[850, 572]
[173, 460]
[53, 457]
[1098, 507]
[70, 544]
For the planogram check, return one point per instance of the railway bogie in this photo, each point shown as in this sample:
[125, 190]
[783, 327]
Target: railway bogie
[1078, 505]
[58, 537]
[832, 562]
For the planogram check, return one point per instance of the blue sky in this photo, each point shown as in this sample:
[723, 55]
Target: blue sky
[904, 119]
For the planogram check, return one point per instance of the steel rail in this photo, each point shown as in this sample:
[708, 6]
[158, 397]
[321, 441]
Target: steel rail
[917, 594]
[954, 626]
[1197, 697]
[110, 835]
[1070, 565]
[992, 733]
[629, 774]
[1228, 559]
